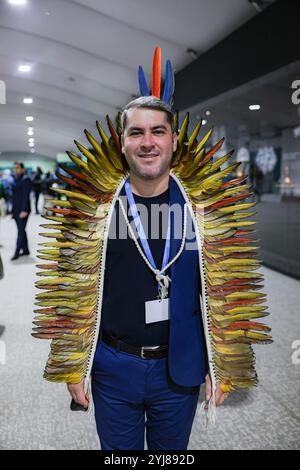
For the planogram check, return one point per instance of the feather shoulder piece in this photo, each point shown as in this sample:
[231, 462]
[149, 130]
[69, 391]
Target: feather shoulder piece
[71, 256]
[233, 300]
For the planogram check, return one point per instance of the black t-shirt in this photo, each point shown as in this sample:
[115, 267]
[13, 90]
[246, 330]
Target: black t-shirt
[128, 280]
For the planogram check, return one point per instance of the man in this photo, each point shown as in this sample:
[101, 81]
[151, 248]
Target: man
[148, 143]
[142, 321]
[21, 208]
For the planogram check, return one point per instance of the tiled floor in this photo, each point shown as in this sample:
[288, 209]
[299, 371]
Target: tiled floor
[34, 414]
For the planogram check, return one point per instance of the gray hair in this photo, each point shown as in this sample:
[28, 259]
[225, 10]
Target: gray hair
[148, 102]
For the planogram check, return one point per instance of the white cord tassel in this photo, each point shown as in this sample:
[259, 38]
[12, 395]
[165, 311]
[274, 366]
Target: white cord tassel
[88, 391]
[164, 282]
[211, 415]
[210, 412]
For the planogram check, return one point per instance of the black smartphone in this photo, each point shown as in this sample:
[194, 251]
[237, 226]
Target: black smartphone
[76, 406]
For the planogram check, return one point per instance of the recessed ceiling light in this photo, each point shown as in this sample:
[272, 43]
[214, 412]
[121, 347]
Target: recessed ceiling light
[30, 128]
[24, 68]
[254, 107]
[29, 118]
[32, 150]
[31, 144]
[17, 2]
[30, 133]
[31, 139]
[27, 100]
[207, 113]
[204, 122]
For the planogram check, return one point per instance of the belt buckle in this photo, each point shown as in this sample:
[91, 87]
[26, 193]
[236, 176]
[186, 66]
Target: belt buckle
[147, 348]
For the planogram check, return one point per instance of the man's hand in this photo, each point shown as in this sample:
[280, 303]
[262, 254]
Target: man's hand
[77, 392]
[23, 214]
[220, 396]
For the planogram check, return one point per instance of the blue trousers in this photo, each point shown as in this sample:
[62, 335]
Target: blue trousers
[22, 243]
[132, 395]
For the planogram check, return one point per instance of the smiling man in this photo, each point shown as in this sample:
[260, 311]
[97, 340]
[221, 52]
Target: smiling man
[148, 142]
[135, 344]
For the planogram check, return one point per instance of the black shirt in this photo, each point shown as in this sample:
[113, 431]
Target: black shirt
[128, 280]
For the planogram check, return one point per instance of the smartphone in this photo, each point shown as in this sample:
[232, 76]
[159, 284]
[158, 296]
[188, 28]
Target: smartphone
[76, 406]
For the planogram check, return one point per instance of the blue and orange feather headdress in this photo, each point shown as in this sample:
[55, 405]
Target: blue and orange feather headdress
[167, 95]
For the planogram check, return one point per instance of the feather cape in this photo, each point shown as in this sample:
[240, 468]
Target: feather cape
[73, 257]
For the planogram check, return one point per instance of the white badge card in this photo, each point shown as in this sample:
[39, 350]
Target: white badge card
[157, 310]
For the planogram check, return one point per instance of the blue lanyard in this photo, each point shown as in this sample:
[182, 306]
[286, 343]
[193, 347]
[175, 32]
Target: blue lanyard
[141, 233]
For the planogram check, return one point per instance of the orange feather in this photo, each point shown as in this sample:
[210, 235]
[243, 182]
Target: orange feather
[156, 72]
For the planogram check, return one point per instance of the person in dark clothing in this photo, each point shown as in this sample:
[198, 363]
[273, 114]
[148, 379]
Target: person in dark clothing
[47, 184]
[48, 193]
[8, 182]
[2, 200]
[21, 208]
[37, 186]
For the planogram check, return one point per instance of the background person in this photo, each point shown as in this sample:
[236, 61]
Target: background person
[2, 200]
[36, 179]
[8, 183]
[21, 208]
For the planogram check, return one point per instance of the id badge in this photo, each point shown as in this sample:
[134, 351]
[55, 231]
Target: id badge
[157, 310]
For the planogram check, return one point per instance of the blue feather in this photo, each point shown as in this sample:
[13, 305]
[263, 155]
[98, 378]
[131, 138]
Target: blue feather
[169, 83]
[142, 82]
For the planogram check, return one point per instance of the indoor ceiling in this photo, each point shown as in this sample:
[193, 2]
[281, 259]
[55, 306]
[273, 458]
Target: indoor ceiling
[84, 56]
[273, 93]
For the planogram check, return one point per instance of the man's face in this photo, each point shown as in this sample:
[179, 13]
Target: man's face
[148, 143]
[18, 170]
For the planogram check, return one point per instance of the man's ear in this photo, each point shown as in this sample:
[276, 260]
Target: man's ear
[174, 141]
[122, 143]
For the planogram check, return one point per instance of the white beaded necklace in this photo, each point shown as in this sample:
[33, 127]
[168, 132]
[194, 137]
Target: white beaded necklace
[162, 279]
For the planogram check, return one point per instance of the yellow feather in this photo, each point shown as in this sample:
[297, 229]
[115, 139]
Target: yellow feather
[204, 140]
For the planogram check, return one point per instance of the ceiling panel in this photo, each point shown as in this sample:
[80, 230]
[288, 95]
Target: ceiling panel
[85, 54]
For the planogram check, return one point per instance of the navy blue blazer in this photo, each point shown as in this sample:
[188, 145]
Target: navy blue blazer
[187, 356]
[21, 195]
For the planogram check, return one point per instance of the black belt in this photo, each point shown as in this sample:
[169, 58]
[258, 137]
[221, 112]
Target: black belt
[145, 352]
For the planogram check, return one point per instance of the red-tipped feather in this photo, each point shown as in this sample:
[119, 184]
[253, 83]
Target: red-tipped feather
[156, 72]
[231, 240]
[211, 152]
[74, 173]
[248, 325]
[229, 200]
[114, 134]
[233, 182]
[66, 211]
[69, 181]
[45, 311]
[47, 266]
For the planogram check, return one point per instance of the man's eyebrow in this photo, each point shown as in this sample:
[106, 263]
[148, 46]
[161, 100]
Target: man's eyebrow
[136, 128]
[159, 126]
